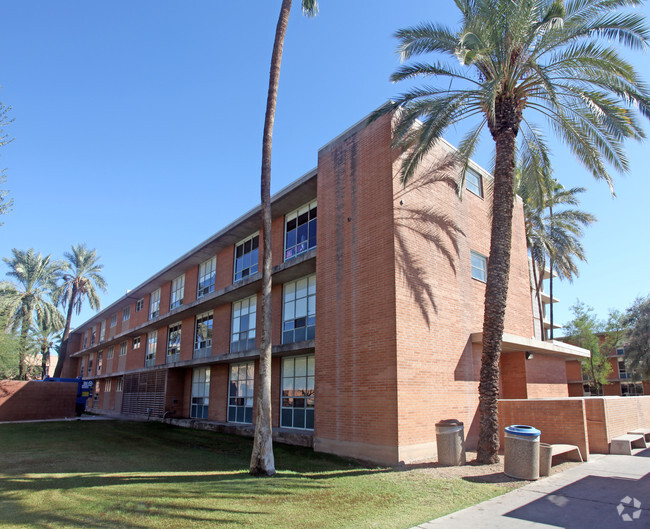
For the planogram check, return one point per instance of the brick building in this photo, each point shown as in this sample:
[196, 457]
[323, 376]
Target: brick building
[377, 313]
[621, 381]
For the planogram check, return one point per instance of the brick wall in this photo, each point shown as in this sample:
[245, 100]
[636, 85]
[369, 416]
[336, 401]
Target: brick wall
[561, 421]
[609, 417]
[36, 400]
[546, 377]
[356, 371]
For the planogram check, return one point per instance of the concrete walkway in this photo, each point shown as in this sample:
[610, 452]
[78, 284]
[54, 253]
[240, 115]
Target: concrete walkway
[606, 492]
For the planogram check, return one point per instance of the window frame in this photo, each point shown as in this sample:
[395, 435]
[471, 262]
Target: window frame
[152, 343]
[207, 275]
[177, 292]
[114, 320]
[484, 260]
[290, 332]
[135, 343]
[305, 412]
[252, 269]
[236, 321]
[126, 313]
[154, 301]
[139, 305]
[240, 404]
[110, 352]
[476, 187]
[123, 348]
[206, 349]
[296, 214]
[176, 347]
[200, 401]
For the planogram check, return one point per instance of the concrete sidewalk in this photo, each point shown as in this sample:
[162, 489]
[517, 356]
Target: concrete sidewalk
[607, 492]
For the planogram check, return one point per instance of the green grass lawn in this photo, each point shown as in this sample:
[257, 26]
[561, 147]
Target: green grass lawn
[127, 475]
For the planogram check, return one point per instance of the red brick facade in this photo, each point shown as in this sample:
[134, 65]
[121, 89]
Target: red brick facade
[396, 308]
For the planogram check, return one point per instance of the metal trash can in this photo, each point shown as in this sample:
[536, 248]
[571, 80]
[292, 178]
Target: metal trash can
[522, 452]
[450, 439]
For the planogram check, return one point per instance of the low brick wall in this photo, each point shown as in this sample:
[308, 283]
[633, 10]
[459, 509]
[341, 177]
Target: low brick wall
[21, 401]
[609, 417]
[561, 421]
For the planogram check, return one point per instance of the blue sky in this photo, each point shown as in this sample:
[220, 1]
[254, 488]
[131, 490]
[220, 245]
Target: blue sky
[138, 128]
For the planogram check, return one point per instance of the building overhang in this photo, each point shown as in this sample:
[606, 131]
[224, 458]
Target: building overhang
[513, 343]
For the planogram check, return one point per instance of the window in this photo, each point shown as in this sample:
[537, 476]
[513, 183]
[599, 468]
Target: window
[200, 393]
[178, 289]
[207, 277]
[107, 384]
[154, 305]
[244, 314]
[100, 359]
[123, 349]
[113, 320]
[246, 256]
[102, 331]
[240, 398]
[174, 343]
[83, 366]
[139, 305]
[85, 344]
[297, 409]
[299, 315]
[474, 182]
[126, 313]
[96, 395]
[203, 335]
[109, 353]
[622, 372]
[152, 345]
[92, 337]
[479, 266]
[620, 351]
[90, 365]
[136, 342]
[300, 230]
[118, 384]
[631, 389]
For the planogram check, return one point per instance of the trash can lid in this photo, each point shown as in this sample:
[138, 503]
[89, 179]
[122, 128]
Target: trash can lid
[449, 422]
[522, 429]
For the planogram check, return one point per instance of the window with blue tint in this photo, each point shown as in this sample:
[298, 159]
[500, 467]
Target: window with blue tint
[152, 346]
[299, 311]
[240, 395]
[207, 277]
[479, 266]
[300, 230]
[244, 318]
[246, 257]
[298, 394]
[200, 393]
[154, 304]
[474, 182]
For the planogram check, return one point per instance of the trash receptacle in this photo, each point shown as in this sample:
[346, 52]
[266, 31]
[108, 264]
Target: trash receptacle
[521, 452]
[545, 459]
[450, 439]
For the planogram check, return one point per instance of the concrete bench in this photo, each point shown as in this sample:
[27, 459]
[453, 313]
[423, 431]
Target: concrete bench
[546, 453]
[642, 431]
[623, 444]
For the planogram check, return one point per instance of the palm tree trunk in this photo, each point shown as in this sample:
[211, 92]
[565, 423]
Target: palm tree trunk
[63, 349]
[262, 460]
[504, 131]
[22, 347]
[45, 360]
[538, 295]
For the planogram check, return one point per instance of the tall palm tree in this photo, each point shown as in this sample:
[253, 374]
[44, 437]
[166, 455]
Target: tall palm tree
[81, 280]
[44, 338]
[518, 59]
[27, 299]
[552, 236]
[262, 460]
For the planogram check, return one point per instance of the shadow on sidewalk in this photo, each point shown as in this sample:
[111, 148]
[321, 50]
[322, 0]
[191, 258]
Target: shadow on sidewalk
[593, 501]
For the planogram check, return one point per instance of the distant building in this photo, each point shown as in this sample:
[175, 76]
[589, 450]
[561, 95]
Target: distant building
[377, 313]
[620, 381]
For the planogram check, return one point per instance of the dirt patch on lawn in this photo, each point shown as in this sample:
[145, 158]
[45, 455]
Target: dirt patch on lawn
[478, 473]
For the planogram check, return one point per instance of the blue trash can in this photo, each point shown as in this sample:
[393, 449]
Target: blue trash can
[521, 452]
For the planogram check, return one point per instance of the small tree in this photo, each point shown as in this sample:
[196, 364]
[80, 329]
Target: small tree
[582, 331]
[637, 336]
[9, 358]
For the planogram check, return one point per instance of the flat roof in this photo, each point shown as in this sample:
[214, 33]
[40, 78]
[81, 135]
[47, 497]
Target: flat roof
[512, 342]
